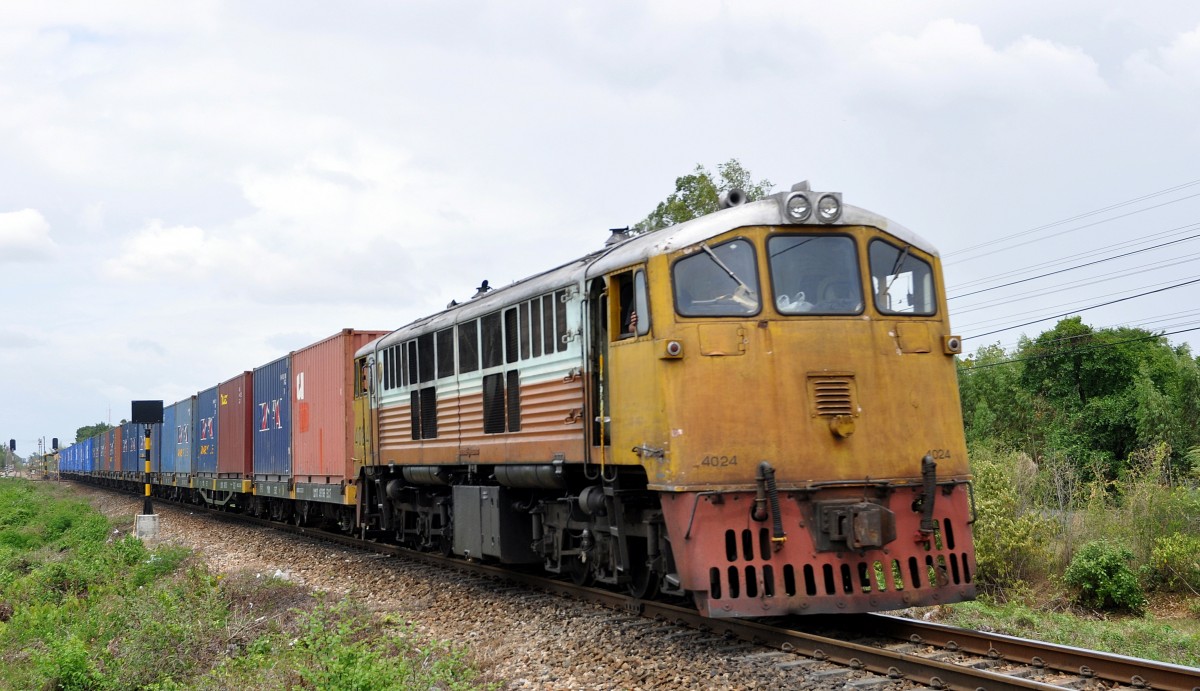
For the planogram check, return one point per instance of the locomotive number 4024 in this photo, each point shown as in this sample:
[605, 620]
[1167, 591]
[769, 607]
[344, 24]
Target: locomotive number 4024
[719, 461]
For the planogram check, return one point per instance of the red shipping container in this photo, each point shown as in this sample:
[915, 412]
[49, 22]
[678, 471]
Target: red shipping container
[324, 379]
[235, 456]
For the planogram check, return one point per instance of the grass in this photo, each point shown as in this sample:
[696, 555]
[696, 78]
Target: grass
[1172, 637]
[85, 607]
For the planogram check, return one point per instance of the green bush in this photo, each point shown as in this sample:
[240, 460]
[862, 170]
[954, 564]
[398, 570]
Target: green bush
[1101, 576]
[1011, 541]
[68, 666]
[1175, 562]
[1148, 510]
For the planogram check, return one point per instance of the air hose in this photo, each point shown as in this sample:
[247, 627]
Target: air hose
[929, 480]
[766, 486]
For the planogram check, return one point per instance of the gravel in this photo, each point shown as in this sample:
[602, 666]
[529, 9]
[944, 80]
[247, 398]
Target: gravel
[520, 640]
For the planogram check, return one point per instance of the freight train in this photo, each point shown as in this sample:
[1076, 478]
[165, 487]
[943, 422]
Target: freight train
[756, 409]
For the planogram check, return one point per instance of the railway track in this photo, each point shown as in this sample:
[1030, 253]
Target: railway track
[874, 649]
[926, 653]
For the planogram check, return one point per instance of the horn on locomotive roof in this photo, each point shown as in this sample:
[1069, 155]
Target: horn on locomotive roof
[733, 197]
[618, 235]
[483, 288]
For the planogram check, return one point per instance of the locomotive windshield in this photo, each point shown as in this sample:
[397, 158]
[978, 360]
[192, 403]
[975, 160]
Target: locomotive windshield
[719, 280]
[815, 274]
[903, 283]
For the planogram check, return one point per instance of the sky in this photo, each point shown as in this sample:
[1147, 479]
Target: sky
[192, 189]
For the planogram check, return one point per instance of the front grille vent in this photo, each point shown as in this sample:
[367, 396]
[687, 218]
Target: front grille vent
[831, 395]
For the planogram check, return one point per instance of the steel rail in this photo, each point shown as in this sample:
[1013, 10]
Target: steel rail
[892, 664]
[1121, 669]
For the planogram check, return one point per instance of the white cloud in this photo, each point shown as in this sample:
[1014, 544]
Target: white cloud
[25, 237]
[949, 61]
[1175, 66]
[91, 218]
[18, 340]
[159, 253]
[104, 19]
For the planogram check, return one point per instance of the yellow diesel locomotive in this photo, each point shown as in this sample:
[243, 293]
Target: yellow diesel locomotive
[756, 409]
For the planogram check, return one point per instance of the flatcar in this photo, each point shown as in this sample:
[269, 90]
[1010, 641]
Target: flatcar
[756, 409]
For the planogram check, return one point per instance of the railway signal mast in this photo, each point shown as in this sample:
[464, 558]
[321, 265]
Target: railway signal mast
[147, 414]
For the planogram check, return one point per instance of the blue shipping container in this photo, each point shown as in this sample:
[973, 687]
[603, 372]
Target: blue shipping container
[177, 444]
[206, 431]
[133, 439]
[86, 461]
[166, 454]
[131, 444]
[97, 443]
[272, 420]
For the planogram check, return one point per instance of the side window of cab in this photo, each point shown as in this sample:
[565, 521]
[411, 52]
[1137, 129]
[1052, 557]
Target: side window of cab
[629, 305]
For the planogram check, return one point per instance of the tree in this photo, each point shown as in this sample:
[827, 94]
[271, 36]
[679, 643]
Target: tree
[697, 194]
[994, 404]
[1087, 397]
[89, 431]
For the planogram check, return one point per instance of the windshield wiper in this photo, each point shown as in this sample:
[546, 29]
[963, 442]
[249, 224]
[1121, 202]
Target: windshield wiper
[742, 287]
[743, 294]
[895, 272]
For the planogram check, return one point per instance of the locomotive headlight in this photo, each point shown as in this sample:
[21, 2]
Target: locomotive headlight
[798, 207]
[951, 345]
[829, 207]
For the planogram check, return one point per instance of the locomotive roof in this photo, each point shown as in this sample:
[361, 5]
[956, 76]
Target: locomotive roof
[767, 211]
[764, 212]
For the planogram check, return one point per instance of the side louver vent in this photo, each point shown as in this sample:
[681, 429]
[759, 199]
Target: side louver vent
[832, 394]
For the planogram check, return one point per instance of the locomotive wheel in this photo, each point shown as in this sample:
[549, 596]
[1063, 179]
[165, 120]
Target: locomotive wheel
[643, 583]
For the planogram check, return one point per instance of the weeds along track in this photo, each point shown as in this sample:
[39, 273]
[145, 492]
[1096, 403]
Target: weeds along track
[851, 651]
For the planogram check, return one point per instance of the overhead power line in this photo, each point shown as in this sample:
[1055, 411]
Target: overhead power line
[1081, 283]
[1082, 216]
[1084, 309]
[1187, 318]
[1142, 240]
[1077, 266]
[1098, 346]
